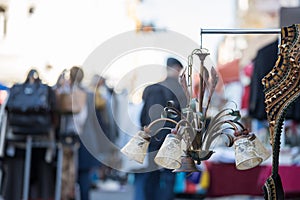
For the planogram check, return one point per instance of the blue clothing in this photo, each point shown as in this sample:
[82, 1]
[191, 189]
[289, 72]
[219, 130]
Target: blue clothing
[155, 185]
[86, 159]
[85, 184]
[160, 94]
[158, 184]
[142, 191]
[3, 87]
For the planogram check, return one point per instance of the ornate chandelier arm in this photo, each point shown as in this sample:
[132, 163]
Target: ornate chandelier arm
[244, 131]
[185, 85]
[215, 79]
[163, 128]
[199, 122]
[170, 109]
[216, 121]
[221, 114]
[181, 130]
[217, 132]
[182, 122]
[147, 129]
[187, 134]
[234, 125]
[190, 74]
[213, 136]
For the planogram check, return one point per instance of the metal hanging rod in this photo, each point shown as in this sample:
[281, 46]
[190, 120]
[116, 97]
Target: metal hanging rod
[237, 31]
[240, 31]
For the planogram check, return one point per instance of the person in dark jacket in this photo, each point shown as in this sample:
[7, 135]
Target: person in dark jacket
[158, 184]
[263, 63]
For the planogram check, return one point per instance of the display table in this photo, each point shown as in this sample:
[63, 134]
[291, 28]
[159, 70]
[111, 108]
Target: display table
[226, 180]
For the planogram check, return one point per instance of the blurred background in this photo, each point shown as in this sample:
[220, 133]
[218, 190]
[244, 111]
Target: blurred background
[53, 35]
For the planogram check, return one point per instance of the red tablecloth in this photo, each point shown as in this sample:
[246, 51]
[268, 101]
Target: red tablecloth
[226, 180]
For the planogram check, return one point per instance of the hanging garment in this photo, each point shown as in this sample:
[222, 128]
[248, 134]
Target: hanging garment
[263, 63]
[281, 88]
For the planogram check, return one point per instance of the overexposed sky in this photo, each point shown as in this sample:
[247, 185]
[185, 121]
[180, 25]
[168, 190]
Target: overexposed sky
[62, 33]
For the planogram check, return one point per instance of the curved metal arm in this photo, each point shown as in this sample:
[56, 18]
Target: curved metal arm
[147, 128]
[183, 121]
[209, 140]
[160, 129]
[173, 109]
[214, 133]
[190, 131]
[216, 121]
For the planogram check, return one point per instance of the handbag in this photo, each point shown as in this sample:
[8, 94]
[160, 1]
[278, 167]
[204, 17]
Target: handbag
[28, 97]
[100, 101]
[30, 123]
[71, 100]
[29, 108]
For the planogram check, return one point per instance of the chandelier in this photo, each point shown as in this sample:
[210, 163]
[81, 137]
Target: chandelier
[190, 142]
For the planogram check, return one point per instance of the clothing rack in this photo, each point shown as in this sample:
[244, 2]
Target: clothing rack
[237, 31]
[242, 31]
[245, 31]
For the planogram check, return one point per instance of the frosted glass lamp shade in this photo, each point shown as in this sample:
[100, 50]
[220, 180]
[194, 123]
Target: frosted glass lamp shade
[136, 148]
[261, 149]
[170, 153]
[246, 156]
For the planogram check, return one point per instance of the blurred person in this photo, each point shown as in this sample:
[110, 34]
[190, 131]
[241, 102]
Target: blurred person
[101, 104]
[41, 183]
[75, 120]
[105, 107]
[67, 133]
[159, 184]
[101, 110]
[110, 107]
[88, 128]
